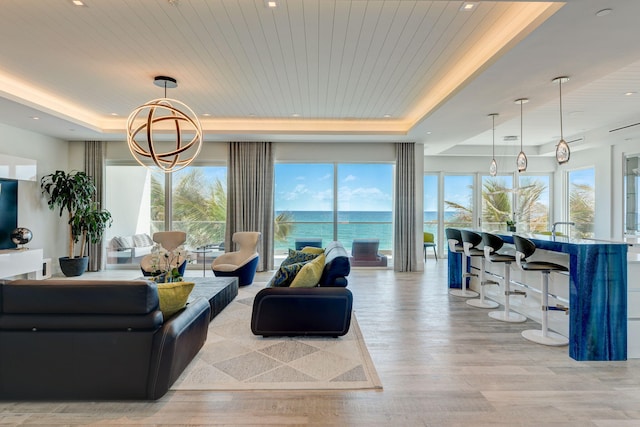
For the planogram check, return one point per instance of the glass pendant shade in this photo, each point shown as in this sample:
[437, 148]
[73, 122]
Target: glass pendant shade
[563, 153]
[521, 160]
[493, 168]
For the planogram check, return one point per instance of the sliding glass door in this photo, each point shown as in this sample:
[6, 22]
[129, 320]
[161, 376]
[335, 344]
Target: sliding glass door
[337, 201]
[142, 202]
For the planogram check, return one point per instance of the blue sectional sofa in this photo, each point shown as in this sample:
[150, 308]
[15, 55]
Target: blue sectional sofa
[324, 309]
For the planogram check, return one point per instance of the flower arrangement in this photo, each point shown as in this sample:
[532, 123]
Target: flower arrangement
[168, 266]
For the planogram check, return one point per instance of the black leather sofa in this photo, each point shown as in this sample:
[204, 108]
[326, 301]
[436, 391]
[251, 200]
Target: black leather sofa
[324, 310]
[90, 340]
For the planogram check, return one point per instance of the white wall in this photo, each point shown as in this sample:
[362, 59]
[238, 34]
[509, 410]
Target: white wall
[51, 154]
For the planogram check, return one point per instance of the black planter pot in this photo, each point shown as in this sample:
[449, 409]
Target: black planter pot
[73, 266]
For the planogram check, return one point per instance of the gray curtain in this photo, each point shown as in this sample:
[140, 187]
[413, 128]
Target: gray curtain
[250, 195]
[404, 251]
[94, 155]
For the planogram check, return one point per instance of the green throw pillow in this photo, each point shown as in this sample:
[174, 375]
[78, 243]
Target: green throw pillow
[284, 276]
[297, 257]
[310, 274]
[173, 297]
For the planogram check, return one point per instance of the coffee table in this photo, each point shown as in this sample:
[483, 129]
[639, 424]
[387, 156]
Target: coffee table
[220, 291]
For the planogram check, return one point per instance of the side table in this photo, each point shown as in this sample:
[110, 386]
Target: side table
[203, 252]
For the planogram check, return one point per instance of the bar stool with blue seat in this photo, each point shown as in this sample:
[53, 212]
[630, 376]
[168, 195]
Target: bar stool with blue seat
[492, 244]
[471, 242]
[454, 239]
[524, 249]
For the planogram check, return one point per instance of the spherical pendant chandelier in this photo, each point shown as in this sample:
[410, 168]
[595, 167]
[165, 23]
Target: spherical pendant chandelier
[144, 129]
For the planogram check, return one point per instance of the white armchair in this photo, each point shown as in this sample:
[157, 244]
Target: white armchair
[241, 263]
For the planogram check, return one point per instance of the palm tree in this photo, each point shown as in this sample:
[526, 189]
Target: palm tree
[283, 226]
[200, 208]
[497, 208]
[582, 208]
[496, 202]
[532, 212]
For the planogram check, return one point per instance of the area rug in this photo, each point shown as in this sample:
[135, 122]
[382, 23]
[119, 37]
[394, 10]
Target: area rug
[235, 359]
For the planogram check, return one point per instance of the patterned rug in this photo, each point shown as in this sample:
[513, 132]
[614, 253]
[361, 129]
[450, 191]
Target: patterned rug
[235, 359]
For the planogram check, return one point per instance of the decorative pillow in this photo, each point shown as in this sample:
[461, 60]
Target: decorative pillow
[310, 274]
[312, 250]
[285, 275]
[120, 243]
[297, 256]
[173, 297]
[142, 240]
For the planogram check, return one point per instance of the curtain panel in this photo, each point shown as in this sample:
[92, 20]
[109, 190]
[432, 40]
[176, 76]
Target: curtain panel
[250, 176]
[405, 255]
[94, 166]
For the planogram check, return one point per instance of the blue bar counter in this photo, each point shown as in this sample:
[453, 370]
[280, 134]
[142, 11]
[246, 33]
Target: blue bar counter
[597, 294]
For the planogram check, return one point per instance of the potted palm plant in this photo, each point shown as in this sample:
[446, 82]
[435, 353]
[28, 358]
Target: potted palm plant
[72, 192]
[88, 225]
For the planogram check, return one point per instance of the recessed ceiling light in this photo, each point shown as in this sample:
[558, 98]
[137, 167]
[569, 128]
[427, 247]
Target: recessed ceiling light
[386, 116]
[429, 133]
[295, 115]
[604, 12]
[206, 115]
[630, 93]
[114, 114]
[78, 3]
[35, 117]
[271, 4]
[468, 6]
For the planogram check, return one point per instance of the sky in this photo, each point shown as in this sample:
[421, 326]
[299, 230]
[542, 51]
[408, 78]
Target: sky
[309, 187]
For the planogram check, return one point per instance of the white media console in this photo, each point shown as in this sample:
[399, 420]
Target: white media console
[14, 262]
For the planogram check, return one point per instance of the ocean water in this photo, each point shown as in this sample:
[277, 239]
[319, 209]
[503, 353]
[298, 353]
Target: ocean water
[351, 225]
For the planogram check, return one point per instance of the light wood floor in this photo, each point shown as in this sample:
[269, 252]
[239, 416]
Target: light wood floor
[441, 362]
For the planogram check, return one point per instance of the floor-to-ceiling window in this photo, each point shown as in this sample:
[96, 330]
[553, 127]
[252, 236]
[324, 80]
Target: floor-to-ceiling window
[431, 207]
[458, 201]
[497, 202]
[143, 202]
[365, 204]
[523, 200]
[336, 201]
[532, 198]
[304, 202]
[581, 208]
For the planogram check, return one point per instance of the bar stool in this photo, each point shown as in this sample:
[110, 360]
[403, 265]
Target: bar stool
[471, 242]
[524, 249]
[492, 244]
[454, 239]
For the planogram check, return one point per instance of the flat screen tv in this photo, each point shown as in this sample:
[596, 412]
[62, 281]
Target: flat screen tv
[8, 212]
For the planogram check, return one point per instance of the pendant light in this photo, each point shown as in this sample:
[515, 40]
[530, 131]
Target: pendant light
[183, 122]
[493, 169]
[562, 149]
[521, 160]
